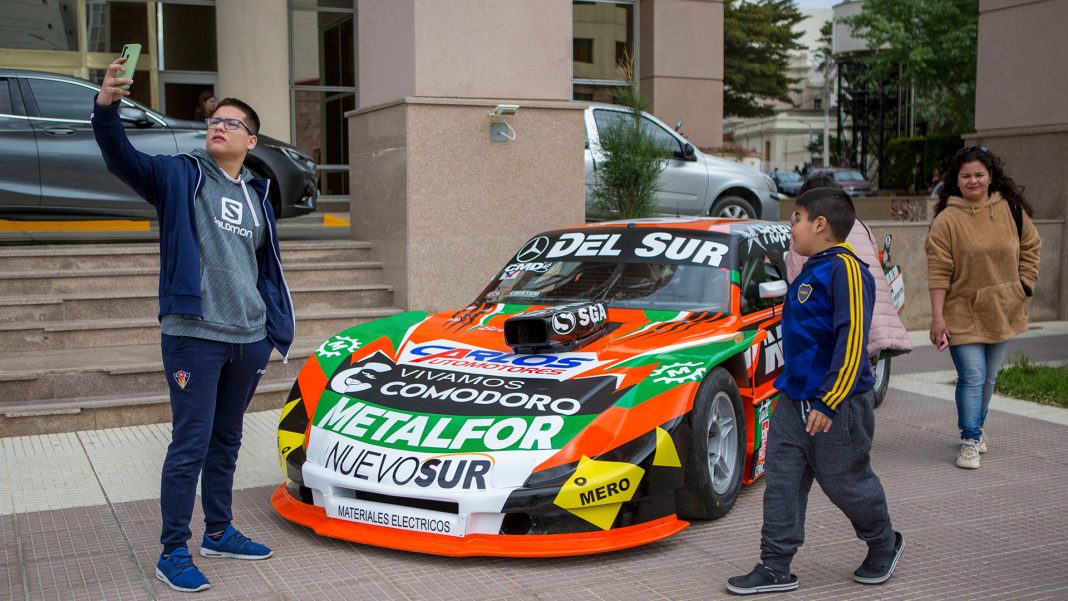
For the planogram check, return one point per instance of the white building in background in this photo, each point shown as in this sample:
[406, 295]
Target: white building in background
[782, 139]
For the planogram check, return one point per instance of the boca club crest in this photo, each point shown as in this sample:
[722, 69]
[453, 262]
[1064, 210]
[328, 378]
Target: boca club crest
[803, 292]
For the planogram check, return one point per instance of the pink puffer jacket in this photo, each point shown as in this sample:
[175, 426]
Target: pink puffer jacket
[887, 331]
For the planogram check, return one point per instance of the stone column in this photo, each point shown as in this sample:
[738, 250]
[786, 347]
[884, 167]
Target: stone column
[253, 53]
[681, 65]
[443, 205]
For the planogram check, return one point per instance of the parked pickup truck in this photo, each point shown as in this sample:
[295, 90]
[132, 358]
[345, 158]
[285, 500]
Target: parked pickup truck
[692, 183]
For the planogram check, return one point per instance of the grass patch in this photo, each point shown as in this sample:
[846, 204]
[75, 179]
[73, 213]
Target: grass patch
[1032, 382]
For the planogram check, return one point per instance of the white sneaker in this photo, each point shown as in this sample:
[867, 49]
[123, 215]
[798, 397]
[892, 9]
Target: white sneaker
[981, 447]
[969, 454]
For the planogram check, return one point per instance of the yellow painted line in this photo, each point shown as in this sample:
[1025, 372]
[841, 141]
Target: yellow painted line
[331, 221]
[105, 225]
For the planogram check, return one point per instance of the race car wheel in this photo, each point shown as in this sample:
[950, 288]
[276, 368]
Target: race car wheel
[716, 456]
[733, 207]
[880, 371]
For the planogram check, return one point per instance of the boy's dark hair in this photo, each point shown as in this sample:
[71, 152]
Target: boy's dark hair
[820, 180]
[252, 120]
[832, 204]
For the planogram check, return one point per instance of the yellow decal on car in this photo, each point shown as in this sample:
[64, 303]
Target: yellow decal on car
[597, 489]
[287, 440]
[666, 454]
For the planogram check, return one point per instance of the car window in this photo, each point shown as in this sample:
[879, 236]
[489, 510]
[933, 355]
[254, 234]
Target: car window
[61, 99]
[848, 176]
[6, 105]
[663, 139]
[604, 119]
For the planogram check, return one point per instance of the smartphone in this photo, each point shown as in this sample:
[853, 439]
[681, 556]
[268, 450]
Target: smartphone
[943, 342]
[132, 52]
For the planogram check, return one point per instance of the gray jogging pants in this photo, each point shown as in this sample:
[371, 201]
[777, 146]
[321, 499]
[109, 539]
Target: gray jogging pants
[838, 460]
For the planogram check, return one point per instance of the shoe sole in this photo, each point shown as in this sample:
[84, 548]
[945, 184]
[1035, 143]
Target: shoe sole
[163, 579]
[209, 553]
[893, 566]
[967, 466]
[769, 588]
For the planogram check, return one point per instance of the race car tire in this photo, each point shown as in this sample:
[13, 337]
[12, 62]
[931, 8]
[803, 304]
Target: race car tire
[733, 207]
[716, 456]
[880, 372]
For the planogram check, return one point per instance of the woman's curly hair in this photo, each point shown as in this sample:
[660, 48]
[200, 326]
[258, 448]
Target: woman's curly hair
[999, 181]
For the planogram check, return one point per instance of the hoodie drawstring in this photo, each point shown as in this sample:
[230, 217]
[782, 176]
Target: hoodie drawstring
[251, 208]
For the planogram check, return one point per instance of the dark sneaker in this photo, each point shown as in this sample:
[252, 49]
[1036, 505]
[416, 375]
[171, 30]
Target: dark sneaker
[178, 572]
[878, 566]
[234, 544]
[761, 580]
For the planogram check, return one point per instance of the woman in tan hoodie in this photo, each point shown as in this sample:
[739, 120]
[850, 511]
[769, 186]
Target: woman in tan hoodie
[981, 267]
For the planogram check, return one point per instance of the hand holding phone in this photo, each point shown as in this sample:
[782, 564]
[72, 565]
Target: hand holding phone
[943, 342]
[131, 52]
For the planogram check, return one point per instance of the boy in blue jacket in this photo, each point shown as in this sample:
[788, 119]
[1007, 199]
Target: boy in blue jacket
[824, 421]
[223, 306]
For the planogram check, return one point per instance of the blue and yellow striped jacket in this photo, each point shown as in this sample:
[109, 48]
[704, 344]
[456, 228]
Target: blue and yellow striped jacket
[825, 325]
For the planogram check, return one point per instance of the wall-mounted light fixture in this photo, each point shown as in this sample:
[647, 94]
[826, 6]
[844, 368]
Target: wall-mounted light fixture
[500, 130]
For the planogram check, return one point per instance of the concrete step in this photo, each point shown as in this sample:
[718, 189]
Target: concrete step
[79, 281]
[44, 377]
[64, 257]
[71, 306]
[88, 334]
[95, 413]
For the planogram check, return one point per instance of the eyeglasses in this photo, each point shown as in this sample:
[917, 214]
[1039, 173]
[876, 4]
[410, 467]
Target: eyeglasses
[964, 151]
[229, 124]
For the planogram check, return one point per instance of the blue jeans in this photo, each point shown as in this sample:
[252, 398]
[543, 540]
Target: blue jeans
[977, 370]
[211, 384]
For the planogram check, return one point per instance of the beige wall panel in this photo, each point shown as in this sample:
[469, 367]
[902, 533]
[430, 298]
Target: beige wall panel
[378, 172]
[473, 202]
[1036, 161]
[386, 40]
[492, 49]
[1022, 62]
[698, 102]
[682, 38]
[253, 57]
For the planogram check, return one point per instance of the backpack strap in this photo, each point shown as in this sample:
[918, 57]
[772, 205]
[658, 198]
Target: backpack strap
[1017, 216]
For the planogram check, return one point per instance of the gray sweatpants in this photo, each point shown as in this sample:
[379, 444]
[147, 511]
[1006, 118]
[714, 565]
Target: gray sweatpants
[838, 460]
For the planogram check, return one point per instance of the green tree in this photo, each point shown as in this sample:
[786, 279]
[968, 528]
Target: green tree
[933, 44]
[626, 180]
[758, 37]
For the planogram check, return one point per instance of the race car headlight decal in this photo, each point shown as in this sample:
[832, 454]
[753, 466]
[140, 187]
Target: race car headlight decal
[291, 428]
[597, 489]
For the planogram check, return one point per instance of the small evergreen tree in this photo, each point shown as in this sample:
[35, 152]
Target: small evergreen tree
[626, 180]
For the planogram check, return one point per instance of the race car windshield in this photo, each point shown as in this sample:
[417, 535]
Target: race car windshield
[651, 286]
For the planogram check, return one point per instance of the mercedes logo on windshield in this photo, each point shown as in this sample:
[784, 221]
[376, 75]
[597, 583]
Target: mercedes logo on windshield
[533, 249]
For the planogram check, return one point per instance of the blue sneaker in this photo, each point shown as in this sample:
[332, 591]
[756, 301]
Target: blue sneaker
[234, 544]
[178, 572]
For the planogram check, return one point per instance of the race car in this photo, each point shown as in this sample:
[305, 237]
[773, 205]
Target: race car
[612, 381]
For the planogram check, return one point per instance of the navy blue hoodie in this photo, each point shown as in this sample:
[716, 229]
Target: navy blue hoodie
[170, 184]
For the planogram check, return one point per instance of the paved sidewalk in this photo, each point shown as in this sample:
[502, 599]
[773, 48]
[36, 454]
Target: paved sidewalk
[79, 519]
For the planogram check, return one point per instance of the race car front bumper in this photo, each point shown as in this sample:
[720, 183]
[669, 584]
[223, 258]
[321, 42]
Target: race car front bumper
[503, 545]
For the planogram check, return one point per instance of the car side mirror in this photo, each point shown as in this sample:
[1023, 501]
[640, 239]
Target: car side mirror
[774, 289]
[134, 116]
[686, 152]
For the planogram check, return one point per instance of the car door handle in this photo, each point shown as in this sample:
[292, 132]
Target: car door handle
[59, 131]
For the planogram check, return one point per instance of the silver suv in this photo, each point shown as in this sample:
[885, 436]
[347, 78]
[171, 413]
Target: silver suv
[692, 183]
